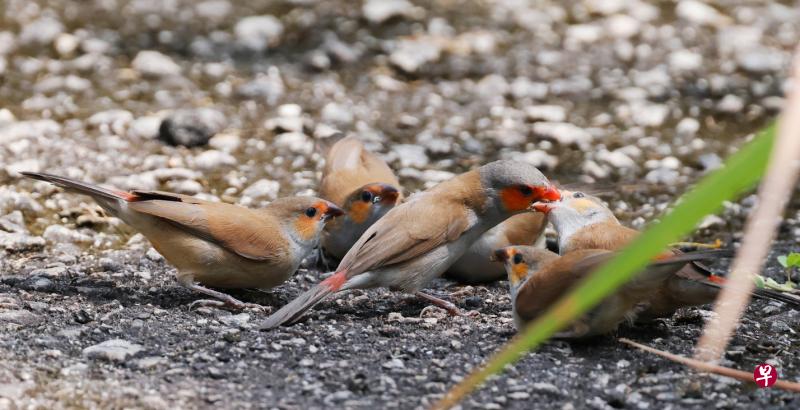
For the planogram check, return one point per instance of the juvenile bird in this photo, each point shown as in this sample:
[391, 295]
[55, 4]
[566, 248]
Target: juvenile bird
[361, 184]
[583, 222]
[538, 278]
[216, 244]
[419, 239]
[476, 265]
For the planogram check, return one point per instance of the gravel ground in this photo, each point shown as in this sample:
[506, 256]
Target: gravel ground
[221, 99]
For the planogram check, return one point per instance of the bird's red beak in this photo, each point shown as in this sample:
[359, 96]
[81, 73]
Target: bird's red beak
[550, 193]
[333, 211]
[543, 207]
[500, 255]
[389, 195]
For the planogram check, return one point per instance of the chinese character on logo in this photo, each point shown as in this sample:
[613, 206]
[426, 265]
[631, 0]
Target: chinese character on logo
[765, 375]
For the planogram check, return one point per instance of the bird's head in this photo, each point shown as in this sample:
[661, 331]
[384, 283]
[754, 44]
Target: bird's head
[304, 216]
[371, 201]
[521, 262]
[514, 186]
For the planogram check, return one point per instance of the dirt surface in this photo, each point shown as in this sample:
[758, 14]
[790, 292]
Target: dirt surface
[630, 100]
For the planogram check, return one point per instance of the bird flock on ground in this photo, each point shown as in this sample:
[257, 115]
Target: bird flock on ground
[480, 226]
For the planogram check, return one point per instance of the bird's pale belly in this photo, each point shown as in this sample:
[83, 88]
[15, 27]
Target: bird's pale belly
[208, 264]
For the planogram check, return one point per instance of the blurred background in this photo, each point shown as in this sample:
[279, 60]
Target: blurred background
[225, 99]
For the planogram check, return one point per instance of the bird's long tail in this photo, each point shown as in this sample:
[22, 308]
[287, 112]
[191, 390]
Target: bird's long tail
[95, 191]
[665, 266]
[307, 300]
[717, 281]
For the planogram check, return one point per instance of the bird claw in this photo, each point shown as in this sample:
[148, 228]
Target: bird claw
[226, 304]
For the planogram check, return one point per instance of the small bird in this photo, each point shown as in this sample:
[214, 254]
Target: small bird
[476, 265]
[216, 244]
[361, 184]
[418, 240]
[584, 222]
[538, 278]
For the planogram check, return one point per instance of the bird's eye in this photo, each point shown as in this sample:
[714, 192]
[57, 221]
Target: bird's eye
[525, 190]
[310, 212]
[366, 196]
[578, 195]
[517, 258]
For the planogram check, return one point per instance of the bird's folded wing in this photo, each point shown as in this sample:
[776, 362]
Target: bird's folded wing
[236, 229]
[406, 232]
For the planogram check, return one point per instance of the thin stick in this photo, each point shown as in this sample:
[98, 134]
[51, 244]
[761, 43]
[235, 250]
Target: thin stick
[710, 368]
[773, 194]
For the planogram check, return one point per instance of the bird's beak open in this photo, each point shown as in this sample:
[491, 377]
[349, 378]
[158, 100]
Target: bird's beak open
[543, 207]
[332, 212]
[500, 255]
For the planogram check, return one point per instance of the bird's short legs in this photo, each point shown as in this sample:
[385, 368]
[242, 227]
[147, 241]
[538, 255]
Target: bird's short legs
[220, 299]
[448, 306]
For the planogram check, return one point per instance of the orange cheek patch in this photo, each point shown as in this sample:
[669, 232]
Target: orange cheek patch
[513, 200]
[306, 227]
[359, 211]
[518, 272]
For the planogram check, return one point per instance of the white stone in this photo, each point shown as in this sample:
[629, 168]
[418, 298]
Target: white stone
[711, 221]
[378, 11]
[213, 159]
[296, 142]
[6, 117]
[650, 115]
[552, 113]
[687, 127]
[616, 159]
[153, 63]
[41, 32]
[411, 155]
[761, 60]
[700, 13]
[685, 60]
[562, 132]
[225, 142]
[584, 33]
[28, 129]
[30, 164]
[115, 350]
[261, 189]
[60, 233]
[538, 158]
[259, 32]
[290, 110]
[337, 113]
[622, 26]
[410, 55]
[731, 104]
[66, 44]
[145, 127]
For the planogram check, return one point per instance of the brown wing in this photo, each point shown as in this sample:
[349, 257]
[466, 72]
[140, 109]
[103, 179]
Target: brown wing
[407, 231]
[554, 279]
[245, 232]
[607, 235]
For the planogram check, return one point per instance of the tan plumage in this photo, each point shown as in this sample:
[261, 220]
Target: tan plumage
[348, 167]
[583, 222]
[538, 278]
[419, 239]
[217, 244]
[476, 267]
[363, 185]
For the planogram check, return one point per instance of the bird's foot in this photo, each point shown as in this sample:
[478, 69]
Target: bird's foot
[446, 305]
[233, 304]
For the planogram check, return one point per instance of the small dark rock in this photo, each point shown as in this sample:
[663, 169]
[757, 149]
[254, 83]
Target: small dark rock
[473, 302]
[191, 127]
[82, 317]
